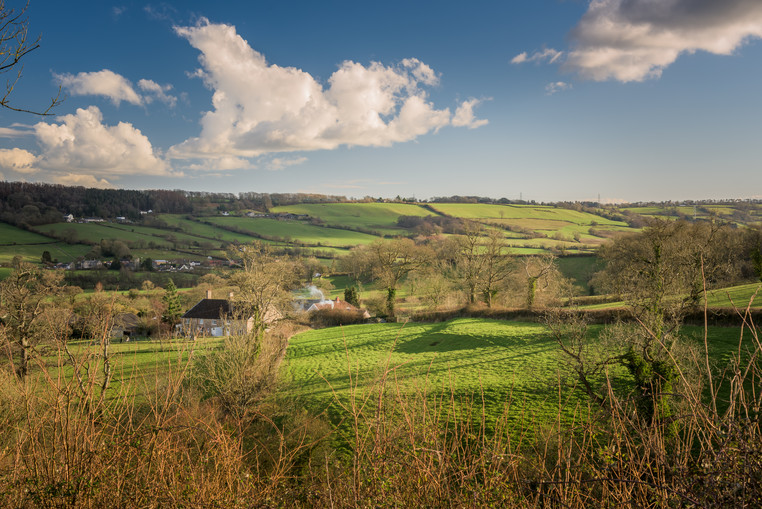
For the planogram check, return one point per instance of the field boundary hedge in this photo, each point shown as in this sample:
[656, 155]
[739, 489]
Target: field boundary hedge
[717, 316]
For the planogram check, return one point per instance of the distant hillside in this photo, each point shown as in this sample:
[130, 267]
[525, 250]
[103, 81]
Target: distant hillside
[194, 225]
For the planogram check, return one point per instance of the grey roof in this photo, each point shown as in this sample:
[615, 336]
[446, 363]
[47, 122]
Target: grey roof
[210, 309]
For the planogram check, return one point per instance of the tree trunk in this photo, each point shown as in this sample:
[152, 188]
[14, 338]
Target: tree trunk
[391, 295]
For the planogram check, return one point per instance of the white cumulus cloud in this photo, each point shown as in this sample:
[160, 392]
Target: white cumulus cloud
[115, 87]
[156, 91]
[261, 108]
[106, 83]
[632, 40]
[464, 115]
[75, 179]
[81, 143]
[18, 160]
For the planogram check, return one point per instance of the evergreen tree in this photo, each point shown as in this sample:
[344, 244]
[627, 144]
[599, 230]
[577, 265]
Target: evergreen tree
[172, 308]
[352, 296]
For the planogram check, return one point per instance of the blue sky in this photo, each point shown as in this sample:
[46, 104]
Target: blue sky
[544, 99]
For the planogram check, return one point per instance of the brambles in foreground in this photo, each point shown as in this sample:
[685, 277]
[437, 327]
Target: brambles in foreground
[28, 315]
[408, 442]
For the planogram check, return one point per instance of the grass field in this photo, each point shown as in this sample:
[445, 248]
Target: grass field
[579, 269]
[535, 212]
[10, 235]
[132, 234]
[373, 216]
[738, 296]
[143, 366]
[498, 360]
[204, 230]
[33, 252]
[297, 231]
[503, 361]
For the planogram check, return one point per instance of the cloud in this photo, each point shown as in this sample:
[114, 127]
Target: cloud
[16, 131]
[106, 83]
[633, 40]
[115, 87]
[280, 163]
[222, 163]
[82, 143]
[550, 55]
[74, 179]
[162, 11]
[557, 86]
[18, 160]
[261, 108]
[464, 115]
[157, 91]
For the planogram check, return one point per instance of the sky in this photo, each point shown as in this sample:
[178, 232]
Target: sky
[546, 100]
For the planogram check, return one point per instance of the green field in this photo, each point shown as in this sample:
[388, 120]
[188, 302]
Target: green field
[503, 361]
[33, 252]
[557, 228]
[740, 213]
[296, 231]
[372, 216]
[204, 230]
[579, 268]
[10, 235]
[733, 296]
[132, 234]
[140, 366]
[499, 361]
[536, 212]
[738, 296]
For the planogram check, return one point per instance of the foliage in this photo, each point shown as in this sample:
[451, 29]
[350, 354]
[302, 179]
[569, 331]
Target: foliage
[352, 296]
[335, 317]
[172, 308]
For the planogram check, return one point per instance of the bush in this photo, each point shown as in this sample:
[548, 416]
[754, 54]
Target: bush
[335, 317]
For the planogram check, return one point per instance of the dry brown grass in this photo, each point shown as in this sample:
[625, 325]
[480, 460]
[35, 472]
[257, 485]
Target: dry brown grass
[64, 446]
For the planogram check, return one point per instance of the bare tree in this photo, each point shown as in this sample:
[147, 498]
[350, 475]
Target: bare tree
[661, 273]
[24, 296]
[496, 266]
[263, 283]
[14, 46]
[391, 261]
[470, 261]
[541, 271]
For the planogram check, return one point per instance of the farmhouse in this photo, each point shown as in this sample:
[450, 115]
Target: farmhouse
[218, 317]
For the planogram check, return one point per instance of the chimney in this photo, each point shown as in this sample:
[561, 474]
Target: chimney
[208, 294]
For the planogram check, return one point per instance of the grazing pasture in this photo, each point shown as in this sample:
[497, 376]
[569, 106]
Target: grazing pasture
[499, 364]
[369, 216]
[33, 252]
[296, 231]
[10, 235]
[204, 230]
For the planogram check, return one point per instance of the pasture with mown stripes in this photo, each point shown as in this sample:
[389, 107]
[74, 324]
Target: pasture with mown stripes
[502, 366]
